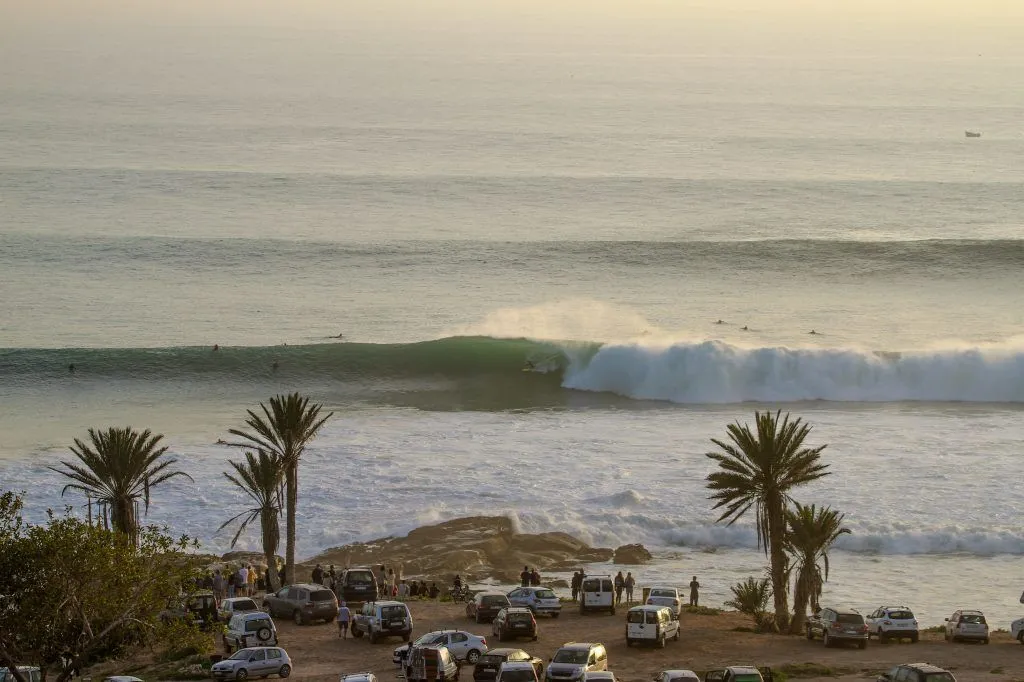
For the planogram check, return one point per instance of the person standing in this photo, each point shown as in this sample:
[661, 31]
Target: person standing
[620, 584]
[344, 616]
[318, 575]
[218, 586]
[629, 583]
[403, 591]
[243, 581]
[524, 577]
[535, 577]
[392, 588]
[575, 584]
[382, 582]
[694, 592]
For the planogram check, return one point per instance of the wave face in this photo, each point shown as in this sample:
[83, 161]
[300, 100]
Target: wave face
[506, 373]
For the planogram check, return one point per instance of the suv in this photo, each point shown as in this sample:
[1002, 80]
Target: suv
[967, 624]
[517, 672]
[838, 625]
[29, 672]
[650, 624]
[1017, 630]
[200, 608]
[430, 664]
[465, 646]
[257, 661]
[356, 586]
[490, 663]
[597, 593]
[303, 603]
[233, 605]
[916, 672]
[514, 621]
[537, 599]
[382, 619]
[485, 606]
[246, 629]
[574, 659]
[893, 622]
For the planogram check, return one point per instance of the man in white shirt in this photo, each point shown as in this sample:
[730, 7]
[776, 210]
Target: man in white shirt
[242, 581]
[344, 616]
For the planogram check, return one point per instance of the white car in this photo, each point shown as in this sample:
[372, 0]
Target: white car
[679, 675]
[257, 661]
[649, 624]
[666, 596]
[599, 676]
[540, 600]
[358, 677]
[516, 671]
[597, 593]
[892, 622]
[1017, 630]
[249, 629]
[967, 624]
[232, 605]
[464, 646]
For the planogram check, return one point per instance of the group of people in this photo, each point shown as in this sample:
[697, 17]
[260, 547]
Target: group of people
[245, 581]
[624, 585]
[529, 576]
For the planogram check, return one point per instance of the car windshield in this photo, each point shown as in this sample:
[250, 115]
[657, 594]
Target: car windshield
[243, 605]
[938, 677]
[850, 618]
[901, 615]
[493, 599]
[519, 616]
[662, 593]
[545, 594]
[975, 618]
[359, 577]
[635, 617]
[492, 660]
[748, 678]
[322, 595]
[241, 655]
[518, 676]
[392, 612]
[256, 623]
[427, 638]
[577, 656]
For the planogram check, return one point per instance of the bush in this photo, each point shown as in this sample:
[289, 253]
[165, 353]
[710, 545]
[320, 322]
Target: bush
[702, 610]
[750, 596]
[182, 640]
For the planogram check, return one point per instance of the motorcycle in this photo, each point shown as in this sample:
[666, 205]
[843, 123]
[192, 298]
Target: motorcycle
[460, 594]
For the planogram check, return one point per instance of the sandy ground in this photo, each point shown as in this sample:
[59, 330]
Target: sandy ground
[707, 642]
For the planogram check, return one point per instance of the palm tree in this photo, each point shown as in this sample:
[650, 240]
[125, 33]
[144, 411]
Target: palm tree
[283, 430]
[760, 471]
[812, 532]
[260, 478]
[119, 467]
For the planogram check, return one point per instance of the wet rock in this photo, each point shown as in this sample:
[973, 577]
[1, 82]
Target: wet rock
[631, 554]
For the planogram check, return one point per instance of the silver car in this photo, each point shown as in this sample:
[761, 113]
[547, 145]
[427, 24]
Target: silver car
[540, 600]
[257, 661]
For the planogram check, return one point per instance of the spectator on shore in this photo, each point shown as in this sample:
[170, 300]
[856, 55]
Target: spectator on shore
[403, 591]
[414, 589]
[252, 577]
[524, 577]
[620, 585]
[318, 575]
[629, 583]
[232, 578]
[219, 585]
[423, 588]
[694, 592]
[435, 591]
[535, 577]
[382, 581]
[576, 583]
[344, 616]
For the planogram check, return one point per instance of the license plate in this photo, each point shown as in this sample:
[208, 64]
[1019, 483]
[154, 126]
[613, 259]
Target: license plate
[398, 623]
[519, 625]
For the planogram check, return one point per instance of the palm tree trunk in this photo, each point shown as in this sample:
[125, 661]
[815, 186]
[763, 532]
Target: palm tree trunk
[271, 538]
[291, 493]
[801, 595]
[776, 536]
[122, 518]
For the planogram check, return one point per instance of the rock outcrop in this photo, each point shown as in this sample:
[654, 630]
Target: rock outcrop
[476, 547]
[631, 554]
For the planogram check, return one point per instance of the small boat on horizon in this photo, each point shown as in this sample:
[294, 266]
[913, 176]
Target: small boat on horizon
[968, 133]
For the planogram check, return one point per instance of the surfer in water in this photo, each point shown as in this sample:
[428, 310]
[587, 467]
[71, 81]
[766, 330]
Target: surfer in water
[813, 333]
[528, 366]
[216, 347]
[720, 322]
[71, 368]
[745, 328]
[275, 366]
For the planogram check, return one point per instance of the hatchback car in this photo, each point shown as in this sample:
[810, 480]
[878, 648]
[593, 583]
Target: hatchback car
[358, 677]
[485, 606]
[916, 672]
[431, 664]
[1017, 630]
[575, 659]
[232, 605]
[650, 624]
[540, 600]
[486, 669]
[892, 622]
[517, 672]
[837, 625]
[302, 603]
[679, 675]
[666, 596]
[967, 625]
[249, 629]
[465, 646]
[258, 661]
[514, 622]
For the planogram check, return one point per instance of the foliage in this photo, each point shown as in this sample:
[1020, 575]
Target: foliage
[260, 477]
[760, 471]
[180, 639]
[283, 430]
[702, 610]
[79, 591]
[811, 669]
[811, 533]
[119, 468]
[750, 596]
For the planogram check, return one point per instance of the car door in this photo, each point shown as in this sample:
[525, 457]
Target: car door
[257, 662]
[458, 644]
[273, 661]
[515, 597]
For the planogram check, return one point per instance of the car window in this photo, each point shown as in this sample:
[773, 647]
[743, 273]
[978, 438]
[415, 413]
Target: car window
[592, 660]
[652, 617]
[902, 674]
[392, 612]
[519, 617]
[545, 594]
[974, 618]
[606, 584]
[358, 578]
[258, 655]
[515, 593]
[662, 593]
[459, 637]
[240, 655]
[492, 660]
[491, 600]
[273, 653]
[747, 678]
[592, 585]
[256, 623]
[243, 605]
[282, 593]
[570, 656]
[938, 677]
[901, 615]
[322, 595]
[850, 618]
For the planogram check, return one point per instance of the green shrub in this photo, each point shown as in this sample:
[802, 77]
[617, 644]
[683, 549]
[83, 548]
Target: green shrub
[702, 610]
[181, 640]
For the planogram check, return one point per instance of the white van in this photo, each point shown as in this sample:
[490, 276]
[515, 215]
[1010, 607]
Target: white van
[650, 624]
[597, 594]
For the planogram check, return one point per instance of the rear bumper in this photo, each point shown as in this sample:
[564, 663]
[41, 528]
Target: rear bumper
[897, 632]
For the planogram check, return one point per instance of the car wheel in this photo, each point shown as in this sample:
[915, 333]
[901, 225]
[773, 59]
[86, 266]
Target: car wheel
[242, 674]
[862, 644]
[825, 639]
[913, 638]
[629, 642]
[661, 643]
[676, 637]
[810, 635]
[285, 670]
[472, 657]
[297, 617]
[882, 637]
[556, 614]
[985, 641]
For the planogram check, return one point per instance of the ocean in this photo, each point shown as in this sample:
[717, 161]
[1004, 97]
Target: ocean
[653, 236]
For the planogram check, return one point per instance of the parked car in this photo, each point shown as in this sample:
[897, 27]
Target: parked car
[514, 622]
[485, 606]
[358, 677]
[739, 673]
[249, 629]
[1017, 630]
[232, 605]
[916, 672]
[679, 675]
[540, 600]
[303, 603]
[599, 676]
[597, 593]
[122, 678]
[356, 586]
[258, 661]
[29, 672]
[649, 624]
[486, 669]
[666, 596]
[431, 664]
[465, 646]
[574, 659]
[967, 624]
[838, 625]
[517, 672]
[200, 607]
[892, 622]
[378, 619]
